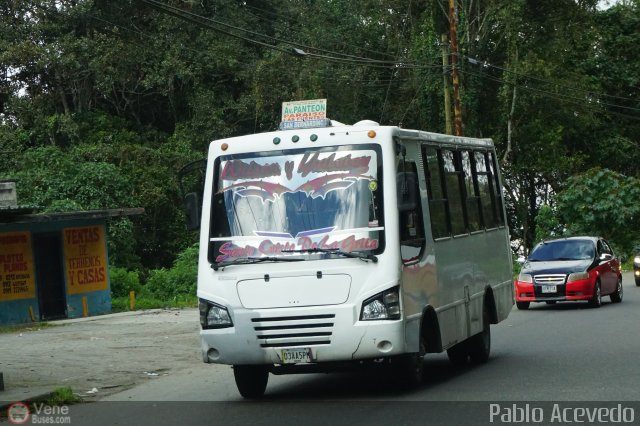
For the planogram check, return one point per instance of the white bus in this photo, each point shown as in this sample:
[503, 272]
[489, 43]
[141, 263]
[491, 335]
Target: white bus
[348, 245]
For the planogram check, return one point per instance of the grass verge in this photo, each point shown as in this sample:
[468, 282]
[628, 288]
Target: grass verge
[63, 396]
[121, 304]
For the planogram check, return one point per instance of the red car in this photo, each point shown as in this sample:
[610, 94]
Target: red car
[569, 269]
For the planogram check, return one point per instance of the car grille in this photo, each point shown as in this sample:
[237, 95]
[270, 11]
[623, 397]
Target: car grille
[559, 280]
[288, 331]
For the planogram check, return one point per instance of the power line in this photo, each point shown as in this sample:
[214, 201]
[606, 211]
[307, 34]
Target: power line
[557, 96]
[332, 56]
[589, 92]
[283, 18]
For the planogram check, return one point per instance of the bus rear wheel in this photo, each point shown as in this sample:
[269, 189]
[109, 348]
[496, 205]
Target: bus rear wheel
[479, 346]
[459, 354]
[251, 380]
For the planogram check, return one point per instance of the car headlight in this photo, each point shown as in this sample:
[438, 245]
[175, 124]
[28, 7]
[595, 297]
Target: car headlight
[578, 276]
[213, 315]
[384, 305]
[636, 260]
[525, 278]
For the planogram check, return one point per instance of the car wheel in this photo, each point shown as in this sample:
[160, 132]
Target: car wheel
[411, 367]
[479, 346]
[596, 300]
[458, 354]
[251, 380]
[617, 296]
[523, 306]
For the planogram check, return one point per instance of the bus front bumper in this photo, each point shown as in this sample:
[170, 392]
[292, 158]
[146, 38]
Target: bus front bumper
[328, 334]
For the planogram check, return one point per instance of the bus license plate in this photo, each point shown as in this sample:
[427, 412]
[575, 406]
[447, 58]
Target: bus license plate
[549, 289]
[294, 356]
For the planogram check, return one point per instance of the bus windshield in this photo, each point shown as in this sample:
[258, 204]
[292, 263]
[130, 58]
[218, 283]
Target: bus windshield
[297, 203]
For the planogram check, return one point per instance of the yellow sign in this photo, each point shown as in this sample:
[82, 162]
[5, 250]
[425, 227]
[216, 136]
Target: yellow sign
[16, 266]
[85, 258]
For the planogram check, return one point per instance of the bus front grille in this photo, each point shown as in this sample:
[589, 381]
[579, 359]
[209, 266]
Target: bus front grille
[291, 331]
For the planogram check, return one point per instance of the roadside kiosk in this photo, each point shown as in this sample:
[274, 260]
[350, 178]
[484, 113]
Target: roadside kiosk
[53, 265]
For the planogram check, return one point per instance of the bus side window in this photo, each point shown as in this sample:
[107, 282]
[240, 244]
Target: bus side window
[438, 205]
[472, 192]
[410, 214]
[454, 186]
[485, 189]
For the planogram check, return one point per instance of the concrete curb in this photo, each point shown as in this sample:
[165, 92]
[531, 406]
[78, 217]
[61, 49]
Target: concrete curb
[36, 397]
[115, 315]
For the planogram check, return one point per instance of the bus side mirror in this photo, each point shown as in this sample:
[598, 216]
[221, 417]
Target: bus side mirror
[192, 211]
[407, 187]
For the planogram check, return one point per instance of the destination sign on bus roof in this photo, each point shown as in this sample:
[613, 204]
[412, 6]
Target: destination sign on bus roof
[304, 114]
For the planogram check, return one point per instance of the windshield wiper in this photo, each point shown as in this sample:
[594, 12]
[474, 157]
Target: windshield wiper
[353, 254]
[251, 260]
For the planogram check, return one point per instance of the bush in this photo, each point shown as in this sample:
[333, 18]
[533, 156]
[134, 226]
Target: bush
[123, 281]
[167, 284]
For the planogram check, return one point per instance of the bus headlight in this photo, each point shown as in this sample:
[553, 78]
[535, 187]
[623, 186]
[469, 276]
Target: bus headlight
[384, 305]
[213, 316]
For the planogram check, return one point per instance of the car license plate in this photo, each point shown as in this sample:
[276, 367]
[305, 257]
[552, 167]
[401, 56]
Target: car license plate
[295, 356]
[549, 289]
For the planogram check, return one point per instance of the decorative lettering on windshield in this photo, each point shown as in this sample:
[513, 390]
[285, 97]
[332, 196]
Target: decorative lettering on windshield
[314, 164]
[229, 250]
[238, 170]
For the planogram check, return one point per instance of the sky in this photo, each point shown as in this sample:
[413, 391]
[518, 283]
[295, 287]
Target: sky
[605, 4]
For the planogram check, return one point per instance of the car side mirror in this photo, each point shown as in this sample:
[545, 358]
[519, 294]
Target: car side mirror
[192, 211]
[605, 257]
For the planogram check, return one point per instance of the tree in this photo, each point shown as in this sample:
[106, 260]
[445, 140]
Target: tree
[604, 203]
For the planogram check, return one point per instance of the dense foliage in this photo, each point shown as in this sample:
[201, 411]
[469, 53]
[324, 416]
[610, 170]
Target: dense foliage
[101, 102]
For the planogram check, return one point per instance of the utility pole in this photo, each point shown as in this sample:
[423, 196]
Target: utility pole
[444, 42]
[453, 30]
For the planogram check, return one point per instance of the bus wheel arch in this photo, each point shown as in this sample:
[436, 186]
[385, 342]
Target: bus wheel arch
[430, 330]
[490, 305]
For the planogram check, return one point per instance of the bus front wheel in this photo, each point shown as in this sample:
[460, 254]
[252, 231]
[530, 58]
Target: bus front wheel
[411, 367]
[251, 380]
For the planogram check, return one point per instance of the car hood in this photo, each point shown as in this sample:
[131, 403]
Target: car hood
[556, 267]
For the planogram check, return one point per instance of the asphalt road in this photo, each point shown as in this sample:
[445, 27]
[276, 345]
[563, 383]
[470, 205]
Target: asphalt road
[565, 353]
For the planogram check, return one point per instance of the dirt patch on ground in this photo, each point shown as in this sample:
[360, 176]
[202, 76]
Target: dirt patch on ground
[99, 356]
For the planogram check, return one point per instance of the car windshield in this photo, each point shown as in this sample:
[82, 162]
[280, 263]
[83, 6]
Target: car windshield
[288, 203]
[563, 250]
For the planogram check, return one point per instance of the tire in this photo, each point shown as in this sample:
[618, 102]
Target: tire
[617, 296]
[458, 354]
[523, 306]
[596, 300]
[410, 369]
[637, 282]
[479, 346]
[251, 380]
